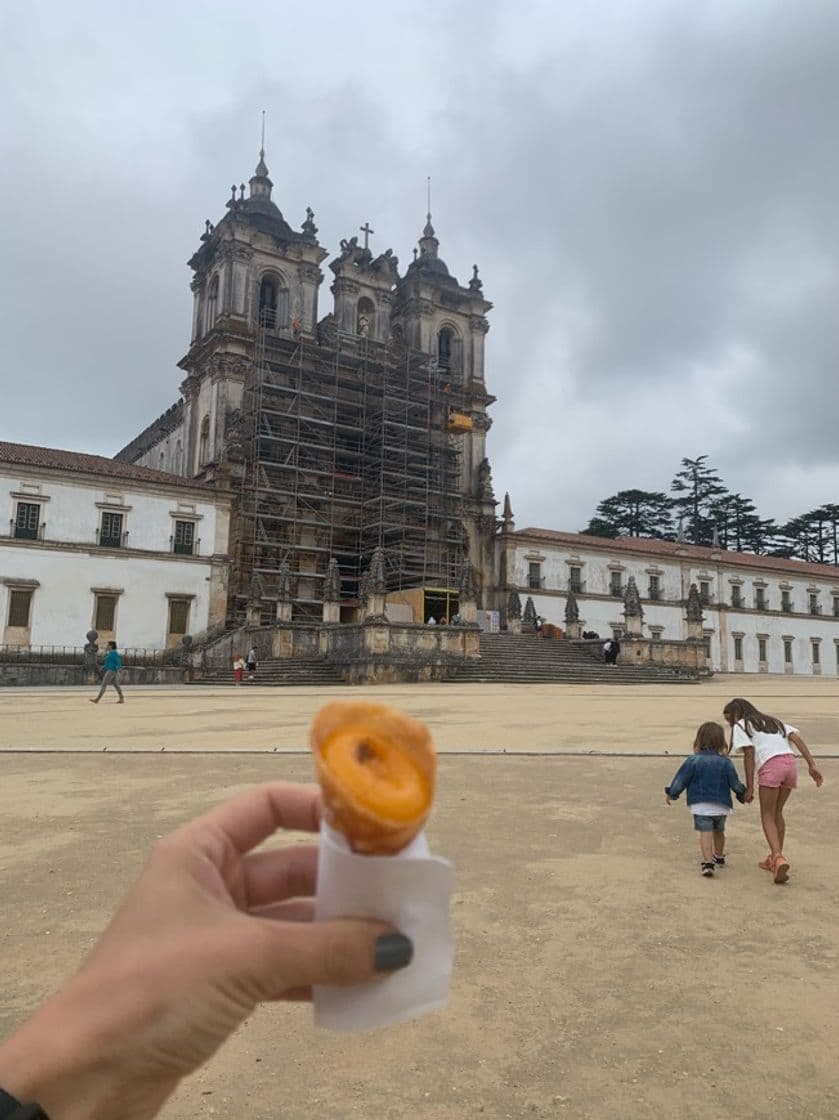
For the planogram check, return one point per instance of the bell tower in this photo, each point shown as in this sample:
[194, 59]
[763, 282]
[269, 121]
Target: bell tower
[449, 321]
[252, 271]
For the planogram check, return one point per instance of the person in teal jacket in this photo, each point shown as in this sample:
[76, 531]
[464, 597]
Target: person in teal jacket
[110, 673]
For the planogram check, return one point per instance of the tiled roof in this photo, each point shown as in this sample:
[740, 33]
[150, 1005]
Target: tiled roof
[681, 549]
[50, 458]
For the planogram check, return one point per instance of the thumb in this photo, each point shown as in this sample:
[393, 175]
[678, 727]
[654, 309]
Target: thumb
[284, 956]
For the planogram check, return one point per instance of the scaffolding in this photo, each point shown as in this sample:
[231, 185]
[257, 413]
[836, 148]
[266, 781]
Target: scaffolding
[348, 447]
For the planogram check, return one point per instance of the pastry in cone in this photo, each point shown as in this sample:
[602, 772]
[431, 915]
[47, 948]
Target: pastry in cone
[376, 769]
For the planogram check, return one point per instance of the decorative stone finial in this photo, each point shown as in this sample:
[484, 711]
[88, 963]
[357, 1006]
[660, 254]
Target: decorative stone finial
[309, 227]
[529, 616]
[572, 611]
[475, 284]
[508, 512]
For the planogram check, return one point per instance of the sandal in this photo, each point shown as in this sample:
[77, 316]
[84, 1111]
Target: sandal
[780, 869]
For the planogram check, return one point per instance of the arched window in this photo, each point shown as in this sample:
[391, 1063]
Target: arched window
[365, 313]
[212, 303]
[268, 303]
[179, 457]
[445, 349]
[204, 442]
[161, 462]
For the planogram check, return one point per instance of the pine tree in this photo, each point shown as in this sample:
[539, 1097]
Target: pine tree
[701, 487]
[633, 513]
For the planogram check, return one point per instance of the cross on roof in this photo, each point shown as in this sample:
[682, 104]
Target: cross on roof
[366, 230]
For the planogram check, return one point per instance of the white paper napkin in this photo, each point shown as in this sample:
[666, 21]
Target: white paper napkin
[411, 890]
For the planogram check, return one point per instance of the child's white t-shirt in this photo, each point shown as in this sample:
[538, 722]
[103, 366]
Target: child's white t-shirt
[766, 746]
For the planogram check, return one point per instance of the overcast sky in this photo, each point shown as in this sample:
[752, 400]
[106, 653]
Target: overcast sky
[650, 189]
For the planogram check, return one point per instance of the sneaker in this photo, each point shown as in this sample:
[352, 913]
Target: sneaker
[780, 869]
[707, 870]
[719, 861]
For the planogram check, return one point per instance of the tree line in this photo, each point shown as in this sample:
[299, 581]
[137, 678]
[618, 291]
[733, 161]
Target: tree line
[700, 509]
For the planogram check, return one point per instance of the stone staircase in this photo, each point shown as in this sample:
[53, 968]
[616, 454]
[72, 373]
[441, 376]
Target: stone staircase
[294, 671]
[530, 659]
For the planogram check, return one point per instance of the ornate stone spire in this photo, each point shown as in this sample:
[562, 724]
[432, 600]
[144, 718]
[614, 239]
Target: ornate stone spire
[508, 513]
[632, 600]
[572, 611]
[376, 573]
[529, 616]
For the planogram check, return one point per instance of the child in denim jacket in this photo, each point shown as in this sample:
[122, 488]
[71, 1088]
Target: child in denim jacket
[709, 777]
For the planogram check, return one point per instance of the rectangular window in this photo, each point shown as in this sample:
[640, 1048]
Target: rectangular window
[178, 616]
[704, 592]
[184, 542]
[655, 587]
[736, 597]
[575, 579]
[786, 602]
[738, 649]
[534, 576]
[110, 532]
[20, 605]
[706, 642]
[105, 613]
[27, 521]
[814, 603]
[760, 599]
[836, 606]
[616, 584]
[787, 651]
[816, 654]
[761, 649]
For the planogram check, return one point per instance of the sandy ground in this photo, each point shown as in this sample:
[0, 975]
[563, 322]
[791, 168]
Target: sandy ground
[555, 717]
[598, 975]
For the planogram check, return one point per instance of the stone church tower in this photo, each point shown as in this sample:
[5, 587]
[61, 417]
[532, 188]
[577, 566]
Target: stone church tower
[361, 429]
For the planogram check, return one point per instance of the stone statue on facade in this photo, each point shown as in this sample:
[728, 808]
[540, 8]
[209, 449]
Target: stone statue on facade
[475, 284]
[694, 604]
[468, 591]
[332, 582]
[91, 651]
[309, 228]
[285, 583]
[485, 490]
[376, 573]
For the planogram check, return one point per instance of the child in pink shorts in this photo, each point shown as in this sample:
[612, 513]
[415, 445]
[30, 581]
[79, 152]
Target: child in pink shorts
[766, 744]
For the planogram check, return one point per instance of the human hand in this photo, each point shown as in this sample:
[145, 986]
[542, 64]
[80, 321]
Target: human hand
[749, 795]
[815, 774]
[207, 932]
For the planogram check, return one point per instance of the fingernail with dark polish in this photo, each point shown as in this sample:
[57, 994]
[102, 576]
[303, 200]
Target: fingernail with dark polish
[393, 951]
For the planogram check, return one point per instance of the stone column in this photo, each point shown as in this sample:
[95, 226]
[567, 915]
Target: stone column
[332, 593]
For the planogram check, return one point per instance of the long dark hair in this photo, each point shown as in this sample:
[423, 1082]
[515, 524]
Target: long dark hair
[752, 719]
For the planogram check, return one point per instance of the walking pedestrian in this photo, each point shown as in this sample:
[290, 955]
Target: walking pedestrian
[252, 663]
[110, 674]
